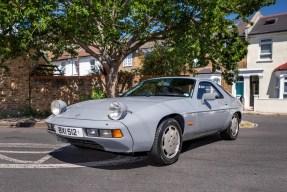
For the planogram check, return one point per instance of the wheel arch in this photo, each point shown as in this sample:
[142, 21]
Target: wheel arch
[179, 118]
[239, 114]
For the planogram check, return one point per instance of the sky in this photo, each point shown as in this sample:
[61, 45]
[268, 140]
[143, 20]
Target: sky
[279, 7]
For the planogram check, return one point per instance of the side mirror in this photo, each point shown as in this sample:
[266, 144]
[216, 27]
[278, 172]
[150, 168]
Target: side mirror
[208, 96]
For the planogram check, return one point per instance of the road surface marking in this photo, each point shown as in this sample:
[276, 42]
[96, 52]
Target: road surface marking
[113, 162]
[26, 152]
[42, 160]
[23, 164]
[31, 145]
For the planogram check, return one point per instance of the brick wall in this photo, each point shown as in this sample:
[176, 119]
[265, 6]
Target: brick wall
[69, 89]
[18, 90]
[14, 85]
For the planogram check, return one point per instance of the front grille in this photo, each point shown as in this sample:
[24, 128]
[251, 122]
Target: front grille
[84, 143]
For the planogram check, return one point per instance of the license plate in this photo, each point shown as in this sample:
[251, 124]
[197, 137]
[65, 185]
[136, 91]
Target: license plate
[69, 131]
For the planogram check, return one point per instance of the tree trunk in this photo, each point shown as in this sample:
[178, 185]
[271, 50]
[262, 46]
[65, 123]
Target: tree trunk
[111, 78]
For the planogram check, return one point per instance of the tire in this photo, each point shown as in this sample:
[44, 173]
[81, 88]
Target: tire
[167, 143]
[232, 130]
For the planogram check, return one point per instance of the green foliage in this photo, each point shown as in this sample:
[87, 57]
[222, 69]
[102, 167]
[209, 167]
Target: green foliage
[28, 112]
[96, 93]
[165, 60]
[118, 28]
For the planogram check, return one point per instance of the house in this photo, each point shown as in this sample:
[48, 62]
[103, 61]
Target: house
[207, 73]
[263, 84]
[85, 64]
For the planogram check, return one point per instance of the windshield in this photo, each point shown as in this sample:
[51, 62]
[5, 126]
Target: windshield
[177, 87]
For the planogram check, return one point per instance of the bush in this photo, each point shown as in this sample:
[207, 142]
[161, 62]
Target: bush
[96, 93]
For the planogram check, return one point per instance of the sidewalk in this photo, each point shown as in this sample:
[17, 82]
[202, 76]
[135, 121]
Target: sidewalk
[23, 122]
[264, 113]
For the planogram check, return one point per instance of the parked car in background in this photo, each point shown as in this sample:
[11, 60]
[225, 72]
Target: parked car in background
[156, 116]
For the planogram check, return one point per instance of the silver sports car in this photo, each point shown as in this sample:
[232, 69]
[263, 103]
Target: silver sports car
[156, 117]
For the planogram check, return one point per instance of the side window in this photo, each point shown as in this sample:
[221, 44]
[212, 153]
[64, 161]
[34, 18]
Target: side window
[207, 87]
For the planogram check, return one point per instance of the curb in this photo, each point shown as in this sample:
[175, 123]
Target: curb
[263, 113]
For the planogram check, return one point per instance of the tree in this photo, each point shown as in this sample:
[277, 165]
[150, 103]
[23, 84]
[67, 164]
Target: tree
[166, 59]
[115, 27]
[198, 48]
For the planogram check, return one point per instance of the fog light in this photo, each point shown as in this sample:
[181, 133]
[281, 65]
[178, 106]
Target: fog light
[106, 133]
[92, 132]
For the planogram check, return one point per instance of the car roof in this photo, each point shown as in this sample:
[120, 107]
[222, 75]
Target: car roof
[181, 77]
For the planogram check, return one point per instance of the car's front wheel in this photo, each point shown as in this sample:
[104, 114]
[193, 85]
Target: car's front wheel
[232, 130]
[167, 143]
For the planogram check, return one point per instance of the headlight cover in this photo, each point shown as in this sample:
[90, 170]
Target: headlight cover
[58, 106]
[117, 110]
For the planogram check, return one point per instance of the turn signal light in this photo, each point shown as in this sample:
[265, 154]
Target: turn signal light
[117, 133]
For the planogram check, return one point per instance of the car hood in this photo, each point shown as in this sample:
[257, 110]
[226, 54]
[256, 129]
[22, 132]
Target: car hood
[98, 109]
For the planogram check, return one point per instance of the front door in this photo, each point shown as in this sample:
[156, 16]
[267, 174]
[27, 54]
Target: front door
[254, 88]
[239, 87]
[212, 114]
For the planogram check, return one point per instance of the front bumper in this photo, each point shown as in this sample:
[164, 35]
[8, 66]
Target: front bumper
[121, 145]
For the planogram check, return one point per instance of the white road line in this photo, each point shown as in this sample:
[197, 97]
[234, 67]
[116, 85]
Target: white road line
[23, 164]
[42, 160]
[113, 162]
[32, 145]
[25, 152]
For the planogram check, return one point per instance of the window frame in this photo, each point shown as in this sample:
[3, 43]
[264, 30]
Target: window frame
[128, 61]
[62, 67]
[270, 42]
[77, 66]
[221, 96]
[284, 92]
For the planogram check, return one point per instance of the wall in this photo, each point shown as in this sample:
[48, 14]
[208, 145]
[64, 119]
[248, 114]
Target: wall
[279, 56]
[14, 85]
[270, 105]
[69, 89]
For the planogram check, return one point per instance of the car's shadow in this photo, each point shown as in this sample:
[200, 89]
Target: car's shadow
[85, 157]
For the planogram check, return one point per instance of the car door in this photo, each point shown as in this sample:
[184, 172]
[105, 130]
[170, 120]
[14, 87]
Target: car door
[212, 114]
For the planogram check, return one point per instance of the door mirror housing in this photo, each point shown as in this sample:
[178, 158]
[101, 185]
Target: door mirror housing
[208, 96]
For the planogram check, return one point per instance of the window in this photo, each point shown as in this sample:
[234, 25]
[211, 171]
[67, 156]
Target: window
[170, 87]
[77, 65]
[62, 67]
[270, 21]
[217, 80]
[265, 49]
[239, 78]
[128, 62]
[95, 68]
[206, 87]
[285, 88]
[277, 86]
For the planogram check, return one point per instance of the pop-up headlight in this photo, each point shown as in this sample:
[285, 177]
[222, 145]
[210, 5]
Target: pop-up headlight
[117, 110]
[58, 106]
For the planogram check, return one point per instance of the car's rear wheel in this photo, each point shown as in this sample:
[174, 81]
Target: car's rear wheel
[167, 143]
[232, 130]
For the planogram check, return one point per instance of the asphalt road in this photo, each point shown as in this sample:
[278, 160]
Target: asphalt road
[34, 161]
